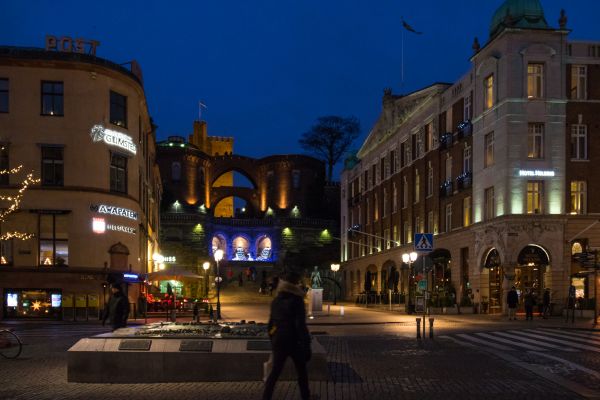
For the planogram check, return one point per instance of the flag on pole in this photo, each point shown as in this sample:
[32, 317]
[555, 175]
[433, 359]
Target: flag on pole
[201, 105]
[410, 28]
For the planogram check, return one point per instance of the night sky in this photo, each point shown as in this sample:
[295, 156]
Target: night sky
[267, 69]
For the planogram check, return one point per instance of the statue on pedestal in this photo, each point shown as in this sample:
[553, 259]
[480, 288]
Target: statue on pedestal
[315, 278]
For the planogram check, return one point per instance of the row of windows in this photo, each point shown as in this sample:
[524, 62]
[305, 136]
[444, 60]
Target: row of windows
[52, 170]
[536, 84]
[52, 101]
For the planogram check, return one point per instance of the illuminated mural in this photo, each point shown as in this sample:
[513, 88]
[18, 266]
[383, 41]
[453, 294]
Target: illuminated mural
[263, 248]
[241, 248]
[219, 242]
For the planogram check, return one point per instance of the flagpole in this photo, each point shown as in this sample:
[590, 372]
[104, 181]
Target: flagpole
[402, 55]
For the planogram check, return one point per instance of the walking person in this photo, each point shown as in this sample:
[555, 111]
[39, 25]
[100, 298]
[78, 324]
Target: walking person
[546, 303]
[529, 303]
[117, 308]
[196, 311]
[512, 299]
[476, 302]
[289, 334]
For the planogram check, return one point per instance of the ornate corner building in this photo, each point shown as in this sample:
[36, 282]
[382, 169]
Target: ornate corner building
[80, 124]
[498, 166]
[285, 215]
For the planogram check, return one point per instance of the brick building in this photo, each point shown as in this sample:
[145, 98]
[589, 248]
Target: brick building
[496, 165]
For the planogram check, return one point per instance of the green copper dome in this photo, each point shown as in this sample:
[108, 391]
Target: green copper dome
[526, 14]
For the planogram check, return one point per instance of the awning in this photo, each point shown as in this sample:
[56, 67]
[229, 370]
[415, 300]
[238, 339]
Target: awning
[174, 274]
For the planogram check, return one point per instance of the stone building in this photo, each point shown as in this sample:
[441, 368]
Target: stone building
[496, 165]
[288, 215]
[80, 123]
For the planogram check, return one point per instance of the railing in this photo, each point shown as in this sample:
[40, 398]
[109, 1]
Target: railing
[464, 181]
[446, 140]
[446, 189]
[465, 129]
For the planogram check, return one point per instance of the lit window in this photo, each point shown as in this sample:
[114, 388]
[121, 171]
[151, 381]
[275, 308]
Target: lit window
[118, 109]
[488, 92]
[488, 159]
[467, 159]
[386, 235]
[53, 240]
[430, 222]
[578, 197]
[418, 227]
[534, 197]
[375, 208]
[406, 233]
[52, 166]
[448, 167]
[489, 211]
[535, 81]
[395, 233]
[417, 186]
[467, 211]
[430, 136]
[448, 217]
[52, 98]
[404, 192]
[579, 142]
[118, 173]
[429, 179]
[578, 82]
[535, 141]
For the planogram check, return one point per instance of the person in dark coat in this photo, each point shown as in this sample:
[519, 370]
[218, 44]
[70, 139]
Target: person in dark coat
[546, 303]
[529, 302]
[289, 334]
[512, 299]
[117, 308]
[196, 311]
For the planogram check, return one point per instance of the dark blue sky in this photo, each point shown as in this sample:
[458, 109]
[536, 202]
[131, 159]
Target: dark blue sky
[268, 69]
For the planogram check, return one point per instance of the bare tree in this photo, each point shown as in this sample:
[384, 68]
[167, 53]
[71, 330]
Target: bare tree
[329, 138]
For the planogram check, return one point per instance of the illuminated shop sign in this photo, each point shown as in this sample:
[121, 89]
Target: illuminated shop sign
[131, 277]
[112, 210]
[536, 172]
[100, 226]
[170, 260]
[56, 299]
[113, 138]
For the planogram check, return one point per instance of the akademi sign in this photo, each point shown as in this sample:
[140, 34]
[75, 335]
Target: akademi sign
[113, 210]
[113, 138]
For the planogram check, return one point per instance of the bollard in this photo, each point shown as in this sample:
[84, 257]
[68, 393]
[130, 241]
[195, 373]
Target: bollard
[342, 311]
[328, 308]
[418, 328]
[431, 328]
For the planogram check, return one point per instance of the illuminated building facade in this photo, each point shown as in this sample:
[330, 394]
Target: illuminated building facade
[496, 165]
[284, 211]
[81, 124]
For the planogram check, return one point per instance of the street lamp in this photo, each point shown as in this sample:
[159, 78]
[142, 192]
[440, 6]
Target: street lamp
[218, 254]
[410, 258]
[335, 268]
[206, 266]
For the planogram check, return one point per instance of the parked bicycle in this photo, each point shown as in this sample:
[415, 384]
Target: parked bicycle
[10, 344]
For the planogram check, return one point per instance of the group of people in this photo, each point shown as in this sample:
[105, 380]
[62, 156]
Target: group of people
[530, 300]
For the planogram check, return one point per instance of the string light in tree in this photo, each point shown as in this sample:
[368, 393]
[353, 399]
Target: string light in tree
[14, 200]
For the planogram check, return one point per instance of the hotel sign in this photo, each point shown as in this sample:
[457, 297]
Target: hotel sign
[113, 138]
[112, 210]
[536, 173]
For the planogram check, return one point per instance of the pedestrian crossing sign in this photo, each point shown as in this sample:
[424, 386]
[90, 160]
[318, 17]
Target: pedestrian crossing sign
[423, 242]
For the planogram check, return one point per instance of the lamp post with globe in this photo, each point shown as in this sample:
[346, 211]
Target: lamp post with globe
[218, 254]
[335, 268]
[410, 258]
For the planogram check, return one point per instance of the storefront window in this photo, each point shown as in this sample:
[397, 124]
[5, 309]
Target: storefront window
[32, 303]
[54, 244]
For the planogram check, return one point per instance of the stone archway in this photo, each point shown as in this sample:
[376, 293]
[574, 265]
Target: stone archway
[532, 263]
[493, 290]
[370, 282]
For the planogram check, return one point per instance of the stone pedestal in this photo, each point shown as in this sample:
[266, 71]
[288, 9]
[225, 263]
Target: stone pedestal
[315, 300]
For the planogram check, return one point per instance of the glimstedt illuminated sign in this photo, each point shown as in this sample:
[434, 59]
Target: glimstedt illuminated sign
[113, 138]
[113, 210]
[536, 172]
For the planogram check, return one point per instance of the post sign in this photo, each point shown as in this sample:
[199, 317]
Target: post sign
[66, 44]
[423, 242]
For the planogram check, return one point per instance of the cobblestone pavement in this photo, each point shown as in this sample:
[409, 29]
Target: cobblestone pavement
[361, 367]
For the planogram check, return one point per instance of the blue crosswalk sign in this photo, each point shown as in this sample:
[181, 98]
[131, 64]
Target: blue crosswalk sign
[423, 242]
